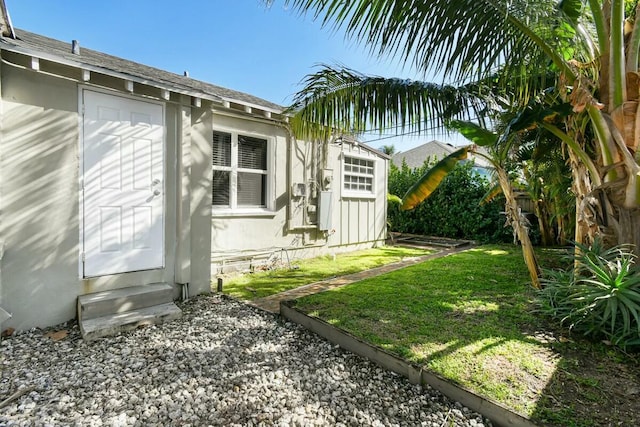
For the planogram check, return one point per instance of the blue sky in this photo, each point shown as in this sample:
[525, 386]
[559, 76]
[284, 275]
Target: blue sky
[239, 44]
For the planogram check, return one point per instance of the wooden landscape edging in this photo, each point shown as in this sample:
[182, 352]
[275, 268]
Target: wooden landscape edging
[499, 414]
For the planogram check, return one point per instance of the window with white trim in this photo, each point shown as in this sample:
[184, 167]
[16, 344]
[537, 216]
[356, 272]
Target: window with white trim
[240, 171]
[358, 176]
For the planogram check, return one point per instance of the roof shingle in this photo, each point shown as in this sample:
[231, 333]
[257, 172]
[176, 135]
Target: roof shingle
[48, 47]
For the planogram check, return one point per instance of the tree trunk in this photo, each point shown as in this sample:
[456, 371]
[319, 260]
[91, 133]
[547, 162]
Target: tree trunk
[546, 233]
[628, 229]
[561, 228]
[518, 223]
[586, 204]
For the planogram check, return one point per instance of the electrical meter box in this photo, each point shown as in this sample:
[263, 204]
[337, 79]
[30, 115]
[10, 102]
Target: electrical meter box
[325, 201]
[299, 189]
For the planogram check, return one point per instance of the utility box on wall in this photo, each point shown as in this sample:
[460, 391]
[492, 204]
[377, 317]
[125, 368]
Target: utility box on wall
[325, 201]
[299, 189]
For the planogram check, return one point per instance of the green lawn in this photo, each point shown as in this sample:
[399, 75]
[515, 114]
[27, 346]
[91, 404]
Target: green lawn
[262, 284]
[469, 318]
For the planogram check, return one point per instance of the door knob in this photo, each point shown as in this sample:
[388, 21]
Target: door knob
[156, 192]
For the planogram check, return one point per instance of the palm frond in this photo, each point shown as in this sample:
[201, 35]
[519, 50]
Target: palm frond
[343, 100]
[464, 39]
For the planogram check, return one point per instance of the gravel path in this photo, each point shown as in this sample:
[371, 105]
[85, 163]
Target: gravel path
[223, 363]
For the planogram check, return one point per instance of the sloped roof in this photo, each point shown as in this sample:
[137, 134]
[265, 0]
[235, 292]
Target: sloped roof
[56, 50]
[434, 150]
[353, 140]
[416, 156]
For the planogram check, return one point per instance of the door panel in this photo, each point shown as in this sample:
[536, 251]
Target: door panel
[123, 191]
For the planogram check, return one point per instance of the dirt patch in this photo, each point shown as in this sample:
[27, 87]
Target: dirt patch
[524, 384]
[591, 386]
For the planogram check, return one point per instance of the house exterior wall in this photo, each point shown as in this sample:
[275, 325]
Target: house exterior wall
[200, 201]
[234, 233]
[40, 200]
[288, 228]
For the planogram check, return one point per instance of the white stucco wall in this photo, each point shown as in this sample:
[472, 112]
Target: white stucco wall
[233, 232]
[243, 238]
[39, 199]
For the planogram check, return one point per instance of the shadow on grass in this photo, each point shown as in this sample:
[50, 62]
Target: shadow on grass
[593, 385]
[265, 283]
[469, 317]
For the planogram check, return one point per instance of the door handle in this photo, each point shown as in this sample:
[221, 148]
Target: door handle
[156, 192]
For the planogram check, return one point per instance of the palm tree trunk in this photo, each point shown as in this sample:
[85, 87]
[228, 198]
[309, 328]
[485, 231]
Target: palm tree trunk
[586, 221]
[561, 228]
[521, 230]
[628, 228]
[546, 232]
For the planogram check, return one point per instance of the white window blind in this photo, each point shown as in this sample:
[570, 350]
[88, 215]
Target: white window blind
[222, 168]
[221, 149]
[252, 153]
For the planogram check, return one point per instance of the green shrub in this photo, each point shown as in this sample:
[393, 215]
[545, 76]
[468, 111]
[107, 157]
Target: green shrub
[599, 297]
[453, 210]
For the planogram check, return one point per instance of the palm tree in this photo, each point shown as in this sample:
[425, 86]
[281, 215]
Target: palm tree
[591, 46]
[548, 184]
[388, 149]
[498, 152]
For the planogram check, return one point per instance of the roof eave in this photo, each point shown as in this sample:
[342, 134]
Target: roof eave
[102, 70]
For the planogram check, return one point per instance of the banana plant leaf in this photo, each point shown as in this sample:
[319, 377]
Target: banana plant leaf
[431, 179]
[392, 198]
[491, 194]
[535, 114]
[474, 133]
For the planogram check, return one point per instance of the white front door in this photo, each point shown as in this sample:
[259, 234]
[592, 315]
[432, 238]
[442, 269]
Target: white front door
[123, 184]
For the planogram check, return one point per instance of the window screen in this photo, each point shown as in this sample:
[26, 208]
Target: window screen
[221, 188]
[251, 189]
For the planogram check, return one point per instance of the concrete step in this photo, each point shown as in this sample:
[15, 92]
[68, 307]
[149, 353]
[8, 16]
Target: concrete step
[113, 324]
[104, 303]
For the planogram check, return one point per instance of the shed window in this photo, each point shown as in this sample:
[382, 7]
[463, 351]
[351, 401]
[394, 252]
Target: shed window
[358, 176]
[240, 171]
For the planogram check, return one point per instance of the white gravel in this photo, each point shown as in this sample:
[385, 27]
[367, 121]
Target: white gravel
[223, 363]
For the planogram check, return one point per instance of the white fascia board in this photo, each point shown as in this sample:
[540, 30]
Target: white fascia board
[238, 114]
[107, 72]
[374, 151]
[251, 105]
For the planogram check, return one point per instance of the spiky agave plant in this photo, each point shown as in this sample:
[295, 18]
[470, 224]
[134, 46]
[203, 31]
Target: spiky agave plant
[600, 297]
